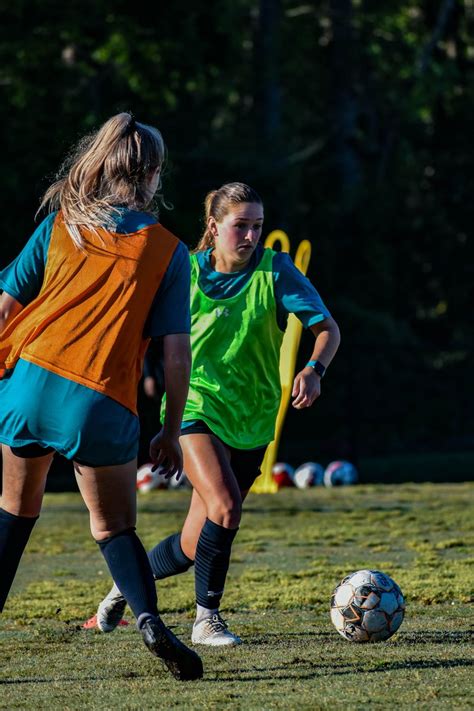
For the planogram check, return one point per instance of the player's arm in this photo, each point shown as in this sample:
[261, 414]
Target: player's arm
[9, 308]
[164, 447]
[170, 321]
[296, 294]
[22, 279]
[177, 368]
[307, 383]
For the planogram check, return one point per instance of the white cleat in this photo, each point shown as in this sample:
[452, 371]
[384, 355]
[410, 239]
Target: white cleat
[110, 610]
[213, 631]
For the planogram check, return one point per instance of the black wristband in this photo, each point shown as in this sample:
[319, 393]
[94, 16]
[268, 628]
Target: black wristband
[317, 366]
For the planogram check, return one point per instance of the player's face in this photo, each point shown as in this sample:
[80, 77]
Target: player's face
[238, 233]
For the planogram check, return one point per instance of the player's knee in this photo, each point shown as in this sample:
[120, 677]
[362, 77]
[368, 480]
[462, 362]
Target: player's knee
[226, 513]
[105, 528]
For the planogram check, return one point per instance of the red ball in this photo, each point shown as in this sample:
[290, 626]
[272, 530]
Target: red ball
[282, 474]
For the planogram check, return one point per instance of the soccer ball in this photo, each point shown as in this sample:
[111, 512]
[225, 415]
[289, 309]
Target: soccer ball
[147, 480]
[179, 483]
[282, 474]
[340, 473]
[308, 474]
[367, 606]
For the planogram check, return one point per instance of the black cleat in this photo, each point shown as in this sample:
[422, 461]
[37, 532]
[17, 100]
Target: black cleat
[183, 663]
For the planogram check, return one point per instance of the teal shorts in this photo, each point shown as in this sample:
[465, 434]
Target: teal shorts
[42, 408]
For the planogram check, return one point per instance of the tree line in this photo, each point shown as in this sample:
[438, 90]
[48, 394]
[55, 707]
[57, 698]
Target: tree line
[352, 120]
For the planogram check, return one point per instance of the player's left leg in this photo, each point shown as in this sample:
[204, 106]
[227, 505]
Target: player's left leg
[24, 480]
[210, 628]
[110, 496]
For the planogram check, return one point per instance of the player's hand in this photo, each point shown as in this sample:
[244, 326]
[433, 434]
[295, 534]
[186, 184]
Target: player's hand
[306, 388]
[165, 452]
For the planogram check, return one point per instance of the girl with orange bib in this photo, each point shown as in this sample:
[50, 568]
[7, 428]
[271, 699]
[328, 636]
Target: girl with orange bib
[99, 277]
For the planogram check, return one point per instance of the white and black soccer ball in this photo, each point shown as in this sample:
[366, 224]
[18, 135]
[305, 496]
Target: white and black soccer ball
[147, 479]
[367, 606]
[340, 473]
[180, 483]
[308, 474]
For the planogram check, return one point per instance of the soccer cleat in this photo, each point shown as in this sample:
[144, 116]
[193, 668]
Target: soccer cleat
[214, 632]
[110, 610]
[182, 662]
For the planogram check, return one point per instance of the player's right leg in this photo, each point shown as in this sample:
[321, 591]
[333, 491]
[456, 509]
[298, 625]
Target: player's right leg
[110, 496]
[209, 531]
[24, 480]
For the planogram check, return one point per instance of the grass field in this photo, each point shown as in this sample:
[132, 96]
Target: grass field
[292, 549]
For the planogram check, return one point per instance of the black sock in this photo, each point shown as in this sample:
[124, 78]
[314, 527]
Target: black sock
[14, 534]
[167, 558]
[129, 566]
[212, 563]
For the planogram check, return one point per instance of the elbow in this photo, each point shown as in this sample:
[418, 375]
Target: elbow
[330, 329]
[179, 360]
[335, 333]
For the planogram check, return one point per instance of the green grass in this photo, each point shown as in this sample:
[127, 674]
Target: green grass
[292, 549]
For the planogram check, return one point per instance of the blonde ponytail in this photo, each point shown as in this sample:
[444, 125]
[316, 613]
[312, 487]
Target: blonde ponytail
[107, 169]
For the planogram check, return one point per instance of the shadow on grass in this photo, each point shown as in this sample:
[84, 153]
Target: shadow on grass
[269, 674]
[268, 637]
[410, 638]
[437, 637]
[325, 508]
[333, 669]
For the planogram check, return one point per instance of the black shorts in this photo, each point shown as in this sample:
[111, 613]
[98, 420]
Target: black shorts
[245, 463]
[33, 450]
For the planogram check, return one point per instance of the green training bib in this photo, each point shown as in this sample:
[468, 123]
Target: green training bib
[235, 378]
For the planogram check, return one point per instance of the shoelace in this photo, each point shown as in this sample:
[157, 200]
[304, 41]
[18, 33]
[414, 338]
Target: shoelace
[217, 623]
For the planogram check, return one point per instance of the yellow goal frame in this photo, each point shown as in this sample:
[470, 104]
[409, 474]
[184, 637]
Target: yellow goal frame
[264, 484]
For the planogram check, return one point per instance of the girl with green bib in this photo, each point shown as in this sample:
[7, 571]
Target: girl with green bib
[241, 295]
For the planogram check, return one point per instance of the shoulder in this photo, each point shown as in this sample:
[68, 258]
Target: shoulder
[49, 220]
[180, 261]
[282, 262]
[41, 237]
[128, 221]
[181, 253]
[46, 225]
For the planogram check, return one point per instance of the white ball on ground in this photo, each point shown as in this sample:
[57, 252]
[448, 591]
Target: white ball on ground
[147, 479]
[340, 473]
[367, 606]
[308, 474]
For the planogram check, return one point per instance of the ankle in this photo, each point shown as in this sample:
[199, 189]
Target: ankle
[145, 617]
[203, 613]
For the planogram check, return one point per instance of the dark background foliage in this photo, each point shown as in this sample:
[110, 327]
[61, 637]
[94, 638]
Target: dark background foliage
[351, 118]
